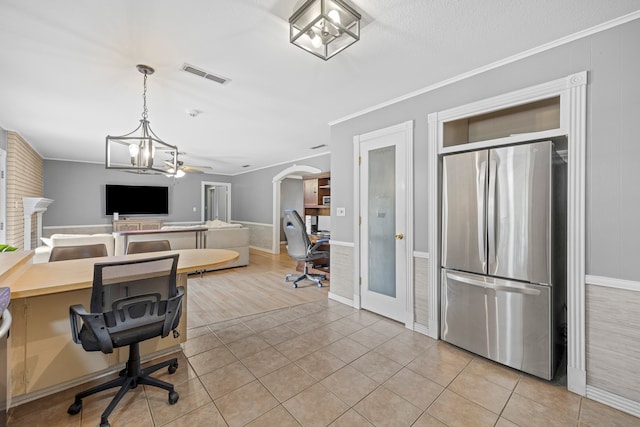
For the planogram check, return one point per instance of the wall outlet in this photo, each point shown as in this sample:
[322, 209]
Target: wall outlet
[194, 208]
[341, 211]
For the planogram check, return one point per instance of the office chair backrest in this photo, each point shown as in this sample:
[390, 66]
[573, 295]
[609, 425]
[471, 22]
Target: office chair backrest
[63, 253]
[148, 246]
[114, 281]
[298, 242]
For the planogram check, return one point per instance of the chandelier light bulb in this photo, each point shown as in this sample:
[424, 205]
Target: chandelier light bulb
[334, 15]
[316, 41]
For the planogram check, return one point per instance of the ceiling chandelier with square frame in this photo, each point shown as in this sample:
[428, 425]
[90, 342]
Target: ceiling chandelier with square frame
[324, 27]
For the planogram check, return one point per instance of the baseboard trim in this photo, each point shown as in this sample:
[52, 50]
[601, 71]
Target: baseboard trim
[338, 298]
[613, 400]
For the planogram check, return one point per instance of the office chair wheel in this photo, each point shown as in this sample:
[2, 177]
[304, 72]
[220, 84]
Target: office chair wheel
[173, 397]
[295, 285]
[75, 408]
[173, 367]
[105, 424]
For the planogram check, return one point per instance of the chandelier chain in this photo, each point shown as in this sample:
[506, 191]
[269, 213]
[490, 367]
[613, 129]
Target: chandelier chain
[145, 111]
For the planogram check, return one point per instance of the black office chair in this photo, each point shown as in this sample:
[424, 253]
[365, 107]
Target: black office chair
[131, 301]
[148, 246]
[63, 253]
[300, 248]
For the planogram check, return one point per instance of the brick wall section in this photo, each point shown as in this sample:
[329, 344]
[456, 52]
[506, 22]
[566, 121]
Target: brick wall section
[24, 179]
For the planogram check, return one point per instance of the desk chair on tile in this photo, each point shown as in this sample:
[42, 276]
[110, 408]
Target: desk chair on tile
[131, 301]
[63, 253]
[148, 246]
[300, 248]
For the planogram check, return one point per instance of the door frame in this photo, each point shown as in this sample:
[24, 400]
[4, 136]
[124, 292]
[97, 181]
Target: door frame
[203, 197]
[407, 129]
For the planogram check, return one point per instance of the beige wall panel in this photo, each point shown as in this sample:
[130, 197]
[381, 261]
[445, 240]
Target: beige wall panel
[421, 291]
[342, 265]
[613, 340]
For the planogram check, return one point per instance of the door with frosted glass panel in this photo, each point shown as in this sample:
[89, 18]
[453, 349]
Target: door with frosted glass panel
[383, 251]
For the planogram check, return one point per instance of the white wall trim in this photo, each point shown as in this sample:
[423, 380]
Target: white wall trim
[417, 254]
[613, 400]
[424, 330]
[572, 92]
[252, 223]
[339, 243]
[508, 60]
[610, 282]
[340, 299]
[433, 184]
[58, 227]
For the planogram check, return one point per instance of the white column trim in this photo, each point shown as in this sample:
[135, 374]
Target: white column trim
[339, 243]
[576, 226]
[418, 254]
[433, 186]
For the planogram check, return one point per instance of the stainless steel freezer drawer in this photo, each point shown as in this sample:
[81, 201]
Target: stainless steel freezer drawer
[502, 320]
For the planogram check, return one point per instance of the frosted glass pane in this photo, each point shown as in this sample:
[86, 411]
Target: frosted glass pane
[382, 221]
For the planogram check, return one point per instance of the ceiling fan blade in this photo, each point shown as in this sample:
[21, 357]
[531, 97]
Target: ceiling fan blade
[190, 169]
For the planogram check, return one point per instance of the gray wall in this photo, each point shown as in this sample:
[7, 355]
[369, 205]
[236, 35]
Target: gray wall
[3, 139]
[252, 192]
[78, 192]
[612, 59]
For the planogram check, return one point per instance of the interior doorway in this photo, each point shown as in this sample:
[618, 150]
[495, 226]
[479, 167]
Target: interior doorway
[385, 221]
[295, 170]
[216, 201]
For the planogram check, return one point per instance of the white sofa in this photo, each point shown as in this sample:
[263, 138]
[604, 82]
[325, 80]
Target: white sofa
[219, 236]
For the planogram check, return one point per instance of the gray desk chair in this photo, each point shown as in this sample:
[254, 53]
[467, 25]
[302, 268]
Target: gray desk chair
[148, 246]
[63, 253]
[131, 301]
[300, 248]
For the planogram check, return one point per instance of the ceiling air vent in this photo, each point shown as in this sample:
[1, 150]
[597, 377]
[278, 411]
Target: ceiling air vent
[315, 147]
[205, 74]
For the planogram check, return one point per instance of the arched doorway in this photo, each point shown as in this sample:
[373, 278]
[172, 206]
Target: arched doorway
[295, 170]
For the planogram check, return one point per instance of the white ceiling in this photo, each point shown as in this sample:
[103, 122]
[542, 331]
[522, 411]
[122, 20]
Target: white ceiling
[68, 77]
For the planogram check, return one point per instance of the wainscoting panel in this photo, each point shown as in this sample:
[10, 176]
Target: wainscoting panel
[260, 235]
[342, 265]
[421, 290]
[613, 340]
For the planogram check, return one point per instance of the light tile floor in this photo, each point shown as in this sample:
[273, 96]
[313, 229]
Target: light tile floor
[324, 363]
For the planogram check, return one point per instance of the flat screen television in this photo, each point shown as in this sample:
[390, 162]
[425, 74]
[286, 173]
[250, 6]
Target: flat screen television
[136, 200]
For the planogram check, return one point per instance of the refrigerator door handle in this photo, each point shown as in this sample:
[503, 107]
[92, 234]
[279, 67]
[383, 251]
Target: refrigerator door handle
[491, 216]
[480, 195]
[496, 285]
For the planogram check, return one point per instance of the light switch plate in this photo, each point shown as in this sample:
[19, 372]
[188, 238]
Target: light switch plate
[341, 211]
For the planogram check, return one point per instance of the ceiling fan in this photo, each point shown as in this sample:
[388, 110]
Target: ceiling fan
[184, 168]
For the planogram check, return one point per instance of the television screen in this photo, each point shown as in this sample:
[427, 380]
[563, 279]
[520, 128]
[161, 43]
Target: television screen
[136, 200]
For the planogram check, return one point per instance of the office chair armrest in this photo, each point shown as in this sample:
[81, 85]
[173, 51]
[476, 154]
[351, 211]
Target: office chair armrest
[174, 309]
[316, 245]
[94, 322]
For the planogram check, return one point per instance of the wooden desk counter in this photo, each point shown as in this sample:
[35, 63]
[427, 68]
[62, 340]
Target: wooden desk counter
[62, 276]
[43, 359]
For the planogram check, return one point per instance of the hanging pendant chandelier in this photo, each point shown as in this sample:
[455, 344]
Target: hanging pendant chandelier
[137, 150]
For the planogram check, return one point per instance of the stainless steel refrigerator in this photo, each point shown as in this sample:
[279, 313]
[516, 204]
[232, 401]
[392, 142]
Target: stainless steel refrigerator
[504, 254]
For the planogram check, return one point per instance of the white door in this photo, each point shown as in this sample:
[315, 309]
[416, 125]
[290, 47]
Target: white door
[385, 221]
